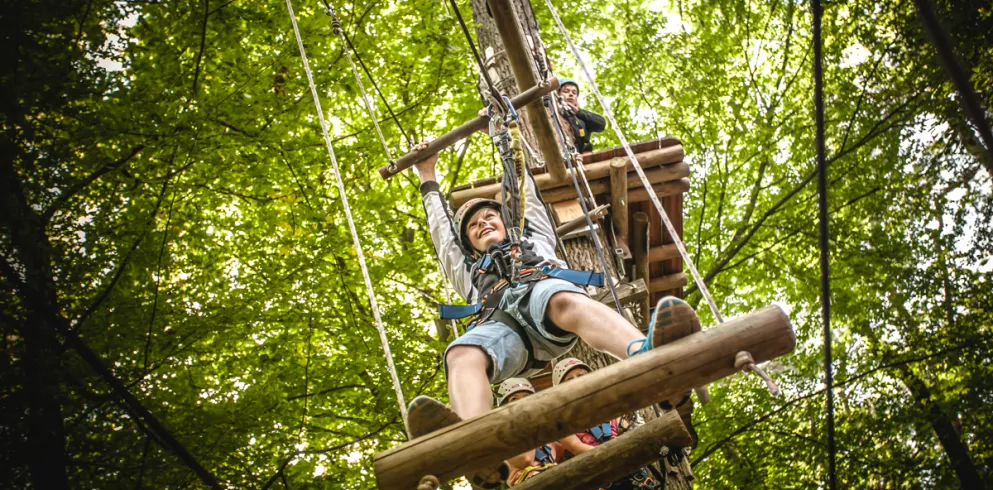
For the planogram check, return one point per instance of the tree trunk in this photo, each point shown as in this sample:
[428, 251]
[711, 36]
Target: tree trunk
[46, 438]
[941, 423]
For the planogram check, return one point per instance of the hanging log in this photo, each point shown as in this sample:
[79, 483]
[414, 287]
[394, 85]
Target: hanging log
[662, 373]
[642, 271]
[520, 58]
[619, 198]
[671, 156]
[616, 458]
[457, 134]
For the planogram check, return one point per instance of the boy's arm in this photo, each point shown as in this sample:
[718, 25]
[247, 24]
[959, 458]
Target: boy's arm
[572, 444]
[443, 234]
[539, 221]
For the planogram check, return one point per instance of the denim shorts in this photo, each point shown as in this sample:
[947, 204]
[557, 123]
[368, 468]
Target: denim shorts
[508, 355]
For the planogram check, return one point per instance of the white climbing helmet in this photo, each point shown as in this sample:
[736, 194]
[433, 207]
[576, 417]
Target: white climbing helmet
[511, 386]
[564, 366]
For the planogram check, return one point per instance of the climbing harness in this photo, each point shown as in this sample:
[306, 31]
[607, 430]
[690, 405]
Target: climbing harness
[602, 433]
[704, 291]
[544, 454]
[351, 222]
[493, 276]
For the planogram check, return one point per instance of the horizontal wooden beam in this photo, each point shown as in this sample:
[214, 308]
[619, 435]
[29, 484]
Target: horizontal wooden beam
[658, 175]
[664, 189]
[616, 458]
[450, 138]
[594, 171]
[660, 374]
[665, 283]
[663, 252]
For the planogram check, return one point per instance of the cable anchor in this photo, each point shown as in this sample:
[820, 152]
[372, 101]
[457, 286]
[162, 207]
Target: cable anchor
[743, 360]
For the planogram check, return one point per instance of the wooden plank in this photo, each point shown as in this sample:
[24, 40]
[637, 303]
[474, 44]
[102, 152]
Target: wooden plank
[665, 189]
[670, 281]
[656, 176]
[648, 160]
[663, 252]
[566, 211]
[596, 214]
[627, 292]
[665, 372]
[589, 158]
[640, 147]
[616, 458]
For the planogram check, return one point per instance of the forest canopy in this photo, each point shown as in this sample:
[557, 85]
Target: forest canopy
[169, 213]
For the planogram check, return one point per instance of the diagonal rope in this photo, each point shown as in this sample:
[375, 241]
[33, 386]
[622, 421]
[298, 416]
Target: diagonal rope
[336, 26]
[573, 165]
[498, 99]
[351, 222]
[330, 10]
[637, 167]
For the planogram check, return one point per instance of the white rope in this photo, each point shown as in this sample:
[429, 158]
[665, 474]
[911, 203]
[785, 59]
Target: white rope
[351, 223]
[579, 163]
[637, 167]
[336, 26]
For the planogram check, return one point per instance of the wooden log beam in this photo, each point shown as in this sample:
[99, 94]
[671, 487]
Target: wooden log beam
[660, 374]
[663, 252]
[450, 138]
[658, 176]
[667, 282]
[642, 271]
[664, 189]
[616, 458]
[649, 159]
[619, 197]
[519, 56]
[596, 214]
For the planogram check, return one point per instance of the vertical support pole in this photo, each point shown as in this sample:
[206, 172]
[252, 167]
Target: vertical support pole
[639, 248]
[619, 197]
[520, 58]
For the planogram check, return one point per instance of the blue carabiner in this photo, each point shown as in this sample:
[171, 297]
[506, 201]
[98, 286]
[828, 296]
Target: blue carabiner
[511, 113]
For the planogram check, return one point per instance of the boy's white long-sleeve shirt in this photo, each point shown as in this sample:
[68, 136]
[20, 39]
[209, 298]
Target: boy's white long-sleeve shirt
[458, 269]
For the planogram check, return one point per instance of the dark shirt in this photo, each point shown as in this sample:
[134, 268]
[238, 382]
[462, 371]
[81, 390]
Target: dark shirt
[584, 123]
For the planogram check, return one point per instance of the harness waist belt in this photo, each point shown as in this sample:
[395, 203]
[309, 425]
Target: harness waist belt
[454, 312]
[581, 278]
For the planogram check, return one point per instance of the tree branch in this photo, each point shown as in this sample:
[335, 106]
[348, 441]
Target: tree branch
[203, 42]
[46, 215]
